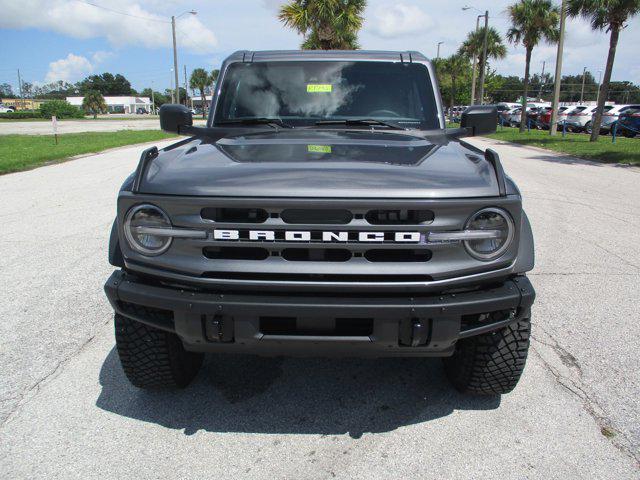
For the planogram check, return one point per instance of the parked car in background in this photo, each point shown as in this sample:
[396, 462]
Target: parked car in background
[580, 118]
[5, 109]
[612, 116]
[514, 117]
[141, 111]
[629, 122]
[505, 116]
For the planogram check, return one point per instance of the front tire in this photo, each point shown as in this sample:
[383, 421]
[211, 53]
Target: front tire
[152, 358]
[491, 363]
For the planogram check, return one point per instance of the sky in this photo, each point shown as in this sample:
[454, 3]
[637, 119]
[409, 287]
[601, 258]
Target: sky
[51, 40]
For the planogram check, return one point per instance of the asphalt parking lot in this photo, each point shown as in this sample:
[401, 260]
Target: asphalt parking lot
[67, 411]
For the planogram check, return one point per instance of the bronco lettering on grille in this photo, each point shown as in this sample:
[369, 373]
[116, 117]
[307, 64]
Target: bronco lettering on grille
[318, 236]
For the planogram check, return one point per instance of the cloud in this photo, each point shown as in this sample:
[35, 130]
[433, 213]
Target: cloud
[397, 20]
[133, 25]
[68, 69]
[273, 5]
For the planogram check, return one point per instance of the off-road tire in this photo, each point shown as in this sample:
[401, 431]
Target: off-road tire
[491, 363]
[152, 358]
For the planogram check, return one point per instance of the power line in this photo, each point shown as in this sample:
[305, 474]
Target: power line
[149, 19]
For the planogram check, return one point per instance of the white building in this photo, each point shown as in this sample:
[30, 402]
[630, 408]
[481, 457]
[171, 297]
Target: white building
[119, 104]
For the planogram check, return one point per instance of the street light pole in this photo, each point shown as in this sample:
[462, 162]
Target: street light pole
[474, 75]
[553, 129]
[484, 56]
[175, 58]
[438, 55]
[584, 75]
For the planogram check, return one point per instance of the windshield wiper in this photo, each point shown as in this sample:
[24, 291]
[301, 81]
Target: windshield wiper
[272, 122]
[362, 121]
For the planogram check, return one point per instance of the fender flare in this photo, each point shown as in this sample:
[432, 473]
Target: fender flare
[526, 253]
[115, 253]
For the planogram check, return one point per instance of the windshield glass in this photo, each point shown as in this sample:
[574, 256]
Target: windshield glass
[304, 92]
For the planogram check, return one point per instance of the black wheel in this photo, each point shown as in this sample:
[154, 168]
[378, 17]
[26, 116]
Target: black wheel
[628, 133]
[588, 128]
[492, 363]
[153, 358]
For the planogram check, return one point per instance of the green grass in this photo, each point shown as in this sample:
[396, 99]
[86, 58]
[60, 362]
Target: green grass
[22, 152]
[625, 150]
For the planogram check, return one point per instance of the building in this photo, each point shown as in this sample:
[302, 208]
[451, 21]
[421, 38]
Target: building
[129, 104]
[197, 101]
[22, 103]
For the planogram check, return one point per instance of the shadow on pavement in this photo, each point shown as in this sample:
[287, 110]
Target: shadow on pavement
[242, 393]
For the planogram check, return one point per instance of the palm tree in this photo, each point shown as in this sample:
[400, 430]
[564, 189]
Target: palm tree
[325, 24]
[611, 16]
[455, 66]
[472, 46]
[200, 80]
[531, 22]
[93, 102]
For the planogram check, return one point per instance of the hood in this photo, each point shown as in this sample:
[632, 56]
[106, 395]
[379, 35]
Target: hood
[321, 164]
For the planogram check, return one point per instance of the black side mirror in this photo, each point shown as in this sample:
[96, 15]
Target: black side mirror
[173, 118]
[480, 119]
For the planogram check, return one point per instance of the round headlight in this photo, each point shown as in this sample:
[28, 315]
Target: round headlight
[495, 220]
[138, 219]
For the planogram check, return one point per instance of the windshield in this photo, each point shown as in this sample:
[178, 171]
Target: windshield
[304, 92]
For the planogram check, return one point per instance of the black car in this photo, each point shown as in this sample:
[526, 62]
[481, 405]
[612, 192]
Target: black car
[324, 209]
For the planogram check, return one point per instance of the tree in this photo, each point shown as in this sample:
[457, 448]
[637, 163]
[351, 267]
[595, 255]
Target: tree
[531, 22]
[611, 16]
[325, 24]
[473, 45]
[94, 103]
[214, 76]
[455, 66]
[200, 80]
[106, 84]
[6, 91]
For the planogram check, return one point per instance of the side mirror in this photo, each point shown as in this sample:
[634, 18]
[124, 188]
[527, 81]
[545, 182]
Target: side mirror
[173, 118]
[480, 119]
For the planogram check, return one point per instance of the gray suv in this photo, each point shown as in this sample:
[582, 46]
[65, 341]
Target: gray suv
[324, 209]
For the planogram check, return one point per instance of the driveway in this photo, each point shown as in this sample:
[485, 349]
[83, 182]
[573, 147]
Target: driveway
[67, 410]
[77, 126]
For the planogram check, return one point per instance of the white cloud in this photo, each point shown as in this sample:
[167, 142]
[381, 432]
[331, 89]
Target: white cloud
[273, 5]
[397, 20]
[68, 69]
[138, 27]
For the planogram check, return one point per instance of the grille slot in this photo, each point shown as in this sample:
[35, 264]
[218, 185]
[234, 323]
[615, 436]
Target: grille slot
[236, 253]
[316, 254]
[399, 217]
[235, 215]
[316, 216]
[405, 255]
[315, 277]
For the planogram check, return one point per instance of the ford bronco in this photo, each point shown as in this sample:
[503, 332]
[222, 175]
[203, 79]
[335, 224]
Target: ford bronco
[324, 209]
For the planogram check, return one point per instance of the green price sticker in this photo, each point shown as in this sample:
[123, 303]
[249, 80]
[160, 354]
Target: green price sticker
[319, 148]
[319, 88]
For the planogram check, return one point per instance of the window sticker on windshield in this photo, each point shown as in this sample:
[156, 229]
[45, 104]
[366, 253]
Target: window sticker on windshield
[319, 87]
[319, 148]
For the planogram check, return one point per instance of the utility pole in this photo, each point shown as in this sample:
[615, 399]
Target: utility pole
[175, 58]
[544, 62]
[153, 100]
[474, 76]
[553, 129]
[584, 75]
[20, 88]
[186, 87]
[438, 55]
[484, 56]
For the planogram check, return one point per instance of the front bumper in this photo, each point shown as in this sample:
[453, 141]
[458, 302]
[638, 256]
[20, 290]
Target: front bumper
[321, 324]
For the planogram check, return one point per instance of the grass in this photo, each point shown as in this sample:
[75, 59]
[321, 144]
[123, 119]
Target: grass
[625, 150]
[23, 152]
[139, 117]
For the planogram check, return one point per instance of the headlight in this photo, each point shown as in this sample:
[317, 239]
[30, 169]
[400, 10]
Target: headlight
[493, 220]
[137, 223]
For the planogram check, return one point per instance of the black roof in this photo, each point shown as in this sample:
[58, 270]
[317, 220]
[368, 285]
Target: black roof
[355, 55]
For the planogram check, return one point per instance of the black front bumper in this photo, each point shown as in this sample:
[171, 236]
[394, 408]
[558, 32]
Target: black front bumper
[317, 325]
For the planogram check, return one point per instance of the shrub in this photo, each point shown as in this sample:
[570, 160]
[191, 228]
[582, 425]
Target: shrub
[61, 109]
[20, 115]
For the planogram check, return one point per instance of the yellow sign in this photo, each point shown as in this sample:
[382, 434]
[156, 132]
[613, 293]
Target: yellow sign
[319, 88]
[319, 148]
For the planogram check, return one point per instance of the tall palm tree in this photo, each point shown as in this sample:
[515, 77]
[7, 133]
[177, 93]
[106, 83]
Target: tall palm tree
[200, 80]
[455, 66]
[611, 16]
[473, 46]
[531, 22]
[325, 24]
